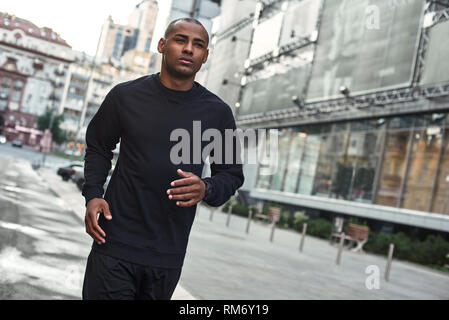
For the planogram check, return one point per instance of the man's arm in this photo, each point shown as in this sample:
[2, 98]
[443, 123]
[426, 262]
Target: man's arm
[225, 178]
[102, 135]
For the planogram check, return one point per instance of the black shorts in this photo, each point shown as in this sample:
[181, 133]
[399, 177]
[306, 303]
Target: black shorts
[109, 278]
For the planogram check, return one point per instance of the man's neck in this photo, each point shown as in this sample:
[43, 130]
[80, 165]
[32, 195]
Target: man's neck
[175, 84]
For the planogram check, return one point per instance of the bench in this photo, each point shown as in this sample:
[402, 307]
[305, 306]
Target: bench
[273, 214]
[355, 234]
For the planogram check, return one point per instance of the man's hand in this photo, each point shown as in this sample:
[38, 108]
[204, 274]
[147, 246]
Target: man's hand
[94, 206]
[191, 188]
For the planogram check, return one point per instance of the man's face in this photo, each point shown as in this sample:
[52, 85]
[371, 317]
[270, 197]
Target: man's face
[184, 50]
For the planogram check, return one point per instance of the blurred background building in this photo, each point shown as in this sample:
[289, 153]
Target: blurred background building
[129, 44]
[33, 69]
[359, 93]
[86, 86]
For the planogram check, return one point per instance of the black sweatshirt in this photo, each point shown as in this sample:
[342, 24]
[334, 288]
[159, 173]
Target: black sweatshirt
[148, 228]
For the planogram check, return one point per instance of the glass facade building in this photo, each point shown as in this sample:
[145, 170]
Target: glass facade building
[359, 100]
[400, 162]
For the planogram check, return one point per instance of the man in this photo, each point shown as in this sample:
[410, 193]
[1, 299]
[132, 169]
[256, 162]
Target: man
[140, 238]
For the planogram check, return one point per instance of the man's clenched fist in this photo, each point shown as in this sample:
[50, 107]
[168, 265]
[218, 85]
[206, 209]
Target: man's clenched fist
[191, 189]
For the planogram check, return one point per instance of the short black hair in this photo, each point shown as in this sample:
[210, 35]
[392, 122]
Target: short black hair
[170, 26]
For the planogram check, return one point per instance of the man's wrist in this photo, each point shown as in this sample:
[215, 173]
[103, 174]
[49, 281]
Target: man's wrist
[208, 189]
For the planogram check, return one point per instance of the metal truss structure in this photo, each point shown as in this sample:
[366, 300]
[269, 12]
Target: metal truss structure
[362, 104]
[231, 30]
[235, 28]
[299, 43]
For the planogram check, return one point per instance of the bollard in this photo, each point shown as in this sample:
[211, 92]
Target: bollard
[273, 226]
[212, 210]
[250, 216]
[340, 248]
[304, 228]
[229, 215]
[390, 257]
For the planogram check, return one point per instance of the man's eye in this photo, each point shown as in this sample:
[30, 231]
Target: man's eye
[179, 40]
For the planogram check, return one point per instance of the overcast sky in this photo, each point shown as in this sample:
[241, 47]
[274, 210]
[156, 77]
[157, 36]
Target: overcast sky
[77, 21]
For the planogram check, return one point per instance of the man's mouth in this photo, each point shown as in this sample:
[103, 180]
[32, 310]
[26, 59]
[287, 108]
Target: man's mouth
[186, 61]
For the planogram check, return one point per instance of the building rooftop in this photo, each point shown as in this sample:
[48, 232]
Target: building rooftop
[11, 22]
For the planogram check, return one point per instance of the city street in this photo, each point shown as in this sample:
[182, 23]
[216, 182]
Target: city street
[44, 249]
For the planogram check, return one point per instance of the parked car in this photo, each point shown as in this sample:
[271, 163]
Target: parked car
[67, 171]
[2, 139]
[17, 143]
[78, 176]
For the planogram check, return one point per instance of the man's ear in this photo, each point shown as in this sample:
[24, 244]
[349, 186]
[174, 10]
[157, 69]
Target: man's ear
[205, 56]
[161, 45]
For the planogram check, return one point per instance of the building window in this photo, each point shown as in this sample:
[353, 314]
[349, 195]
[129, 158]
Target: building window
[277, 181]
[5, 87]
[17, 91]
[422, 169]
[296, 155]
[18, 85]
[441, 199]
[394, 163]
[309, 164]
[147, 45]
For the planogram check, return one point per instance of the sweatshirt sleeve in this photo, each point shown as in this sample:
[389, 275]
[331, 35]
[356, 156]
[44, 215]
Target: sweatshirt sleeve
[226, 178]
[102, 135]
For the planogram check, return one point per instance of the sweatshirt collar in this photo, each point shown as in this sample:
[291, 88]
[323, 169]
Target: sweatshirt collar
[183, 94]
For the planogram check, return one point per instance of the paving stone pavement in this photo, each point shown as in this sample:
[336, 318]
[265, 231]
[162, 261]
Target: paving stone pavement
[226, 263]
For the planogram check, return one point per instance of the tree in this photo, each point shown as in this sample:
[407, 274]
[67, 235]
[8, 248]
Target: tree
[43, 122]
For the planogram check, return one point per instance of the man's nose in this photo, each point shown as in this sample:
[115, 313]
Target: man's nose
[188, 48]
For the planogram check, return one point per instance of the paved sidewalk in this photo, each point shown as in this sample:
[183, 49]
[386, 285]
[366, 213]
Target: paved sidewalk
[74, 201]
[226, 263]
